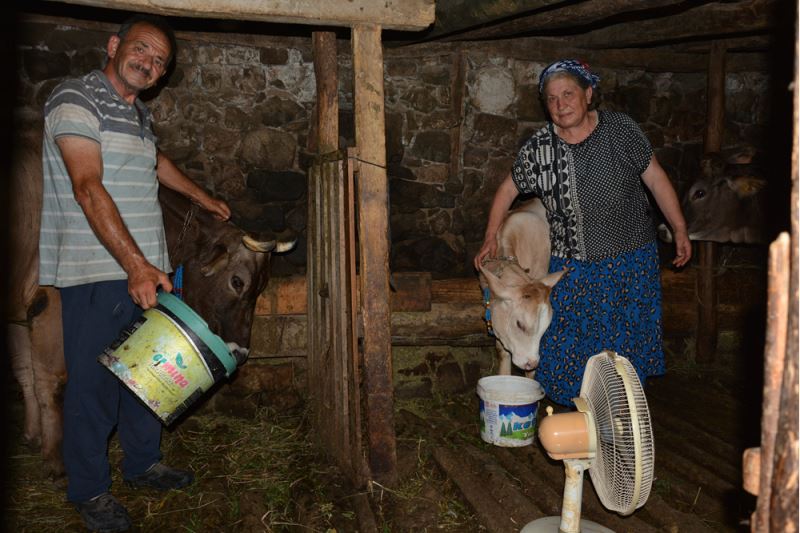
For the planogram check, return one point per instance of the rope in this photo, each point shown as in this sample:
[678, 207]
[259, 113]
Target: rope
[487, 316]
[177, 282]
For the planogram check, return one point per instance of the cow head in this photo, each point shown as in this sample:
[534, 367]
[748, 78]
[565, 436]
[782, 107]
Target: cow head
[726, 204]
[224, 268]
[725, 210]
[520, 308]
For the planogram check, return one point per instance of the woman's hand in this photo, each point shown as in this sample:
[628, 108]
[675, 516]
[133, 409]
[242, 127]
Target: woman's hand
[489, 249]
[683, 248]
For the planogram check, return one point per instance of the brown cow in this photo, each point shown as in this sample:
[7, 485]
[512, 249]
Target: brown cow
[225, 271]
[519, 286]
[728, 203]
[34, 313]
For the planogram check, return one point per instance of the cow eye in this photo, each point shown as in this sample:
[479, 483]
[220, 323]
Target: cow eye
[521, 326]
[237, 284]
[700, 193]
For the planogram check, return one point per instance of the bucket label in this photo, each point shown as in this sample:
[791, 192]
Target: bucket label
[507, 425]
[159, 364]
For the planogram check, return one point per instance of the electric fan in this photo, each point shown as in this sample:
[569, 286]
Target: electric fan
[610, 435]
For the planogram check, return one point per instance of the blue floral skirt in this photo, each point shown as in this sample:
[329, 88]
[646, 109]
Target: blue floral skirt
[611, 304]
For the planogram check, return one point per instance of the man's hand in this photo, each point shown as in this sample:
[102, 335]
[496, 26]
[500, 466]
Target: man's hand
[219, 208]
[143, 282]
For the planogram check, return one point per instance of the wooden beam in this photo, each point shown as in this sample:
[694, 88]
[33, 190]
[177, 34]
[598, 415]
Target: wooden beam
[707, 21]
[707, 322]
[407, 15]
[581, 15]
[458, 15]
[783, 503]
[326, 74]
[373, 234]
[658, 59]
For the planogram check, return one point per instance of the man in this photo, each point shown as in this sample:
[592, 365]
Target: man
[103, 245]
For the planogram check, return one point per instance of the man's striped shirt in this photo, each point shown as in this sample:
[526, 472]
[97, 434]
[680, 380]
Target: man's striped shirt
[69, 251]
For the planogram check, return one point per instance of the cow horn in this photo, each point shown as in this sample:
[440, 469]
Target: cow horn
[285, 246]
[258, 246]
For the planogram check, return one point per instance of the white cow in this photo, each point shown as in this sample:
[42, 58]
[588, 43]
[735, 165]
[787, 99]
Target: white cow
[519, 286]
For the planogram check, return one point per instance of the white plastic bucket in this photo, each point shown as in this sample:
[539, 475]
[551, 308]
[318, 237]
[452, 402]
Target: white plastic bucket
[508, 406]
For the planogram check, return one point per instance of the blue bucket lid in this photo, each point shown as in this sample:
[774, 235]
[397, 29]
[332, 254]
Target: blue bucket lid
[200, 328]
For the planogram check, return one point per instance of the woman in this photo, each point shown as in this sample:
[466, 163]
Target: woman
[588, 167]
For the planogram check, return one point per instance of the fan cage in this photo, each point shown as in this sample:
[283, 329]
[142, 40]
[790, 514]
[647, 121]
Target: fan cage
[613, 472]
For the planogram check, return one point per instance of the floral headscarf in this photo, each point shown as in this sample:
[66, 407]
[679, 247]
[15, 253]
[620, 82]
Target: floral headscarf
[573, 66]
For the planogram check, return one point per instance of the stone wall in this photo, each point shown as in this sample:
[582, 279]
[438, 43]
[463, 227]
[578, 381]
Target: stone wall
[236, 114]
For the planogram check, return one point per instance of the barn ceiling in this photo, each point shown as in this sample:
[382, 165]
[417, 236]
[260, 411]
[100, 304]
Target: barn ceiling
[657, 34]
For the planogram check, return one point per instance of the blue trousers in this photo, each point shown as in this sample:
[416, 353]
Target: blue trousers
[95, 401]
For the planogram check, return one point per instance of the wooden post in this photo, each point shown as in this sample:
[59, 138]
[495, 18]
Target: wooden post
[373, 220]
[774, 363]
[783, 502]
[326, 73]
[706, 340]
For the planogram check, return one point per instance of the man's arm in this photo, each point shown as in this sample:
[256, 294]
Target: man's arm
[658, 182]
[84, 164]
[170, 176]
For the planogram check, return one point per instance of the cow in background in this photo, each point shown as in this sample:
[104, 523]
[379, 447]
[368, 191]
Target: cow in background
[225, 270]
[728, 203]
[519, 287]
[729, 209]
[33, 313]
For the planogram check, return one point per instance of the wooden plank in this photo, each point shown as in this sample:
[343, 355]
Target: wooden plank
[473, 486]
[458, 86]
[312, 253]
[360, 470]
[373, 209]
[465, 290]
[333, 368]
[287, 296]
[774, 362]
[443, 321]
[739, 289]
[412, 291]
[405, 15]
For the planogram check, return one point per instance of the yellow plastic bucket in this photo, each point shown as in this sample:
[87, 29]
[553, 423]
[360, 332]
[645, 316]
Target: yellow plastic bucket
[169, 358]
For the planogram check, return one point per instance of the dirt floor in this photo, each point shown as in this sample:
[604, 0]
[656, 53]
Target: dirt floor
[261, 472]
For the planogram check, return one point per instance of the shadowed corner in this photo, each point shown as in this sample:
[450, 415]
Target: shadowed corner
[7, 97]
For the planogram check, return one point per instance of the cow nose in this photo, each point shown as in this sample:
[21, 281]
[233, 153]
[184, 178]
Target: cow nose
[239, 353]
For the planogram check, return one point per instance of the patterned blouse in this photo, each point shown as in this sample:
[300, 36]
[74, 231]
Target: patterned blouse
[596, 202]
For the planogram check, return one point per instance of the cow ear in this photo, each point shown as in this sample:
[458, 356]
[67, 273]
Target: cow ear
[216, 263]
[496, 285]
[745, 186]
[551, 279]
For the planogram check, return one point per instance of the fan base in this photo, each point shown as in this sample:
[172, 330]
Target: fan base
[549, 524]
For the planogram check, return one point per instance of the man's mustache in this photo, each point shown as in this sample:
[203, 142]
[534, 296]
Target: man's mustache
[144, 70]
